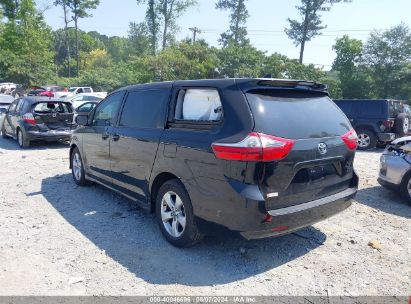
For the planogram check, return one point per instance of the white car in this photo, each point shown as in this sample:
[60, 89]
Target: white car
[7, 87]
[80, 99]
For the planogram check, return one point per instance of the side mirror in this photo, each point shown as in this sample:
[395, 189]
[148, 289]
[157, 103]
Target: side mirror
[82, 120]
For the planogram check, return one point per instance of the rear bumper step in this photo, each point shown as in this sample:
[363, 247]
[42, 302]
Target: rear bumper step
[350, 192]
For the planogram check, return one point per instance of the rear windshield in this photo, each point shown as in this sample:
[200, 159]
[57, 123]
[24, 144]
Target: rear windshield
[296, 116]
[52, 107]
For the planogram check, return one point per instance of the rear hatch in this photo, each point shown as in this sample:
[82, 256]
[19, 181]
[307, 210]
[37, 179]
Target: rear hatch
[54, 116]
[320, 162]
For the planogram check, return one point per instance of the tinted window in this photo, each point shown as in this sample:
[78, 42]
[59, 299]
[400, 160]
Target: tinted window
[145, 109]
[87, 90]
[106, 113]
[296, 116]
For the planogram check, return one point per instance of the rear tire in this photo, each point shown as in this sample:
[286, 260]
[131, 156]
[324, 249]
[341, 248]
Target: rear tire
[77, 168]
[406, 187]
[402, 124]
[21, 140]
[175, 215]
[366, 139]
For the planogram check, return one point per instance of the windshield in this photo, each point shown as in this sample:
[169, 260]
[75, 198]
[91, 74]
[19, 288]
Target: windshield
[298, 116]
[72, 90]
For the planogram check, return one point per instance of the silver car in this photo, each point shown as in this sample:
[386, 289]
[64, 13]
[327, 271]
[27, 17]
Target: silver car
[395, 170]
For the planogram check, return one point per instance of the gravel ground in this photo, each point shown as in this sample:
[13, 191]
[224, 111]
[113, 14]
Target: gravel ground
[59, 239]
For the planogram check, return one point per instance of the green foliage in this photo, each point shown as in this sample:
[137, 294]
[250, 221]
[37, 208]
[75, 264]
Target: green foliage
[352, 76]
[26, 46]
[310, 25]
[164, 13]
[237, 33]
[385, 56]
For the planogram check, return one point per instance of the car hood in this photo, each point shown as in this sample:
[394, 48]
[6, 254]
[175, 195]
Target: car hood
[402, 140]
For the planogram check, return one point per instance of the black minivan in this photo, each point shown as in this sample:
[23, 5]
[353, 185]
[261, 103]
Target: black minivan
[255, 157]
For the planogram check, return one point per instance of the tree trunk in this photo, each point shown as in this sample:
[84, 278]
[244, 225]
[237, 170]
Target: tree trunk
[302, 51]
[77, 45]
[237, 21]
[66, 22]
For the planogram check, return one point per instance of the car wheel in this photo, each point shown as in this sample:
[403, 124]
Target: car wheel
[402, 124]
[366, 140]
[406, 187]
[21, 140]
[175, 215]
[77, 168]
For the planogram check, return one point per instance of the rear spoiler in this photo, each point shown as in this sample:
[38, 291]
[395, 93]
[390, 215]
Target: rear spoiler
[281, 84]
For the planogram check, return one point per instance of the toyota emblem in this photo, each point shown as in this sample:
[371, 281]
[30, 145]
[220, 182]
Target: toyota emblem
[322, 148]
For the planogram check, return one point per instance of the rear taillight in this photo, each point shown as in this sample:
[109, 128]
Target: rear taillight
[388, 124]
[256, 147]
[351, 139]
[29, 118]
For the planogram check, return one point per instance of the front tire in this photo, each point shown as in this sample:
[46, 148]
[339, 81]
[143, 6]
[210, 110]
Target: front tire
[366, 140]
[77, 168]
[21, 140]
[406, 187]
[175, 215]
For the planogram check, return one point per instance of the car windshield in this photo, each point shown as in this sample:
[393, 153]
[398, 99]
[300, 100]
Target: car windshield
[72, 90]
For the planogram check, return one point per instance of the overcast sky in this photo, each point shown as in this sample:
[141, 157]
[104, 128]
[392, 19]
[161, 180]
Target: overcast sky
[268, 18]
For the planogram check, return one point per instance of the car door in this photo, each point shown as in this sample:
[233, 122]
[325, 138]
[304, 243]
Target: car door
[96, 143]
[134, 142]
[11, 119]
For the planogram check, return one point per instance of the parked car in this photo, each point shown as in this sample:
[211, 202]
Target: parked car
[30, 119]
[376, 121]
[53, 91]
[254, 157]
[35, 91]
[395, 172]
[6, 87]
[5, 101]
[80, 99]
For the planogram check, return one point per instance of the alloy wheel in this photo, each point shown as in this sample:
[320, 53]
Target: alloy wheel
[20, 138]
[364, 140]
[173, 214]
[77, 166]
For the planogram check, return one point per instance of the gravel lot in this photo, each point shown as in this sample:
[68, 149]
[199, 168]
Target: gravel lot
[59, 239]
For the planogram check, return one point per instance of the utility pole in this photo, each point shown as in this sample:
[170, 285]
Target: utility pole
[195, 30]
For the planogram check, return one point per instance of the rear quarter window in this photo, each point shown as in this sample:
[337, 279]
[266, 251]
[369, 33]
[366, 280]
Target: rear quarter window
[296, 116]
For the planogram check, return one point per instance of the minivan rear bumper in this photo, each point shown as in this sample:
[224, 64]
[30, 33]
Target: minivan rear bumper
[290, 219]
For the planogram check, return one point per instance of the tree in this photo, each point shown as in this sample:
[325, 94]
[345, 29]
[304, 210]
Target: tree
[351, 75]
[241, 61]
[26, 54]
[141, 43]
[80, 9]
[239, 15]
[67, 20]
[300, 32]
[10, 8]
[385, 56]
[164, 13]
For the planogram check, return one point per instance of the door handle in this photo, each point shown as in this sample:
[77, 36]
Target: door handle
[116, 137]
[105, 136]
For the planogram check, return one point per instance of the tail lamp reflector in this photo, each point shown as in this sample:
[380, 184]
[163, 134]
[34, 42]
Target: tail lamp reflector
[351, 139]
